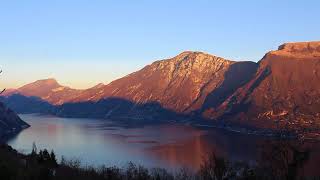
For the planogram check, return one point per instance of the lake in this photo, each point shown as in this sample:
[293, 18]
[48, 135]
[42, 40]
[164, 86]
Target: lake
[103, 142]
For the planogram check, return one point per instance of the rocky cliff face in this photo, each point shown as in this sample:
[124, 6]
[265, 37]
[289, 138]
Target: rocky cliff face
[10, 123]
[285, 91]
[48, 90]
[180, 84]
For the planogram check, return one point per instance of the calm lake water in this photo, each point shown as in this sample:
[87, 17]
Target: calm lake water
[101, 142]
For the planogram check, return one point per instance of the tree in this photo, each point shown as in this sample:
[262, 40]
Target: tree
[34, 149]
[46, 155]
[53, 158]
[3, 89]
[214, 168]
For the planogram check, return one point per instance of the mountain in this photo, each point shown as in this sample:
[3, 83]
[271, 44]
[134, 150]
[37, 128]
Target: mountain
[281, 90]
[180, 84]
[170, 89]
[285, 91]
[10, 123]
[48, 90]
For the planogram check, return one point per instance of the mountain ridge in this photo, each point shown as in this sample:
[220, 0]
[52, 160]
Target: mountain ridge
[280, 90]
[160, 81]
[47, 89]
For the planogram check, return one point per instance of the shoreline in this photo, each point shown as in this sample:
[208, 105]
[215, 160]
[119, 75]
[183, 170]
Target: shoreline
[11, 133]
[123, 122]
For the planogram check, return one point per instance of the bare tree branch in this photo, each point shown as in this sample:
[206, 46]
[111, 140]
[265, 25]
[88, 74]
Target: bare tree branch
[3, 89]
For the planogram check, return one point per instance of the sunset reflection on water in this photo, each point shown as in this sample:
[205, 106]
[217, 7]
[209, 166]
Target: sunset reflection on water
[101, 142]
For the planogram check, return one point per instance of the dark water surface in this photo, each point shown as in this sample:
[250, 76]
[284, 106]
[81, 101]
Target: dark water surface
[98, 142]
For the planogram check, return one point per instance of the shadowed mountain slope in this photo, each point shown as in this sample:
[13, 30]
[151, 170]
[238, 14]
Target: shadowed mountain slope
[121, 110]
[285, 91]
[10, 123]
[27, 104]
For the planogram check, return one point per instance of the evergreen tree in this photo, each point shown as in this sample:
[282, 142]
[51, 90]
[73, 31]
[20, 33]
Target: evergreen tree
[53, 158]
[34, 149]
[46, 155]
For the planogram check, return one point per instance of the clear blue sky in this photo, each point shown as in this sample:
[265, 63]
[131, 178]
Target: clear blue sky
[84, 42]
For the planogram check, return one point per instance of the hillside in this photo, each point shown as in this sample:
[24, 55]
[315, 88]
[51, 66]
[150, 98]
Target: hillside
[181, 84]
[164, 90]
[47, 89]
[285, 91]
[10, 123]
[281, 90]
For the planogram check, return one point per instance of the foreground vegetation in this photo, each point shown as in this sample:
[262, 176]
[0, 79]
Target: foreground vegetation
[280, 160]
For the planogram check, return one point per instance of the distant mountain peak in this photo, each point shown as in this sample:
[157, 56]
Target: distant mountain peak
[189, 55]
[43, 83]
[98, 86]
[48, 81]
[299, 49]
[191, 52]
[46, 89]
[191, 59]
[301, 46]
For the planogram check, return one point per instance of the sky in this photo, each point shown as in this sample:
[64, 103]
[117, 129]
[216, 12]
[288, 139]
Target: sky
[84, 42]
